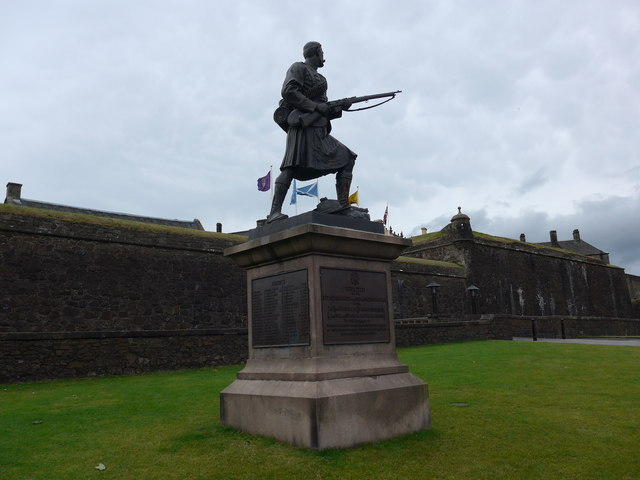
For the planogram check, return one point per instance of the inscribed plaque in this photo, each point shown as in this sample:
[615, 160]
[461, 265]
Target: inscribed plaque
[280, 310]
[355, 307]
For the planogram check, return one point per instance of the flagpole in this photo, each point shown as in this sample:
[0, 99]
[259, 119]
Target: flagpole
[272, 183]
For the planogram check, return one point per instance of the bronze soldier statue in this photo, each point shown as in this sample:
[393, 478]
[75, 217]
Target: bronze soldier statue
[310, 152]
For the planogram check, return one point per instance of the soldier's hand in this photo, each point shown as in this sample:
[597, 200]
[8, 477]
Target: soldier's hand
[346, 105]
[322, 108]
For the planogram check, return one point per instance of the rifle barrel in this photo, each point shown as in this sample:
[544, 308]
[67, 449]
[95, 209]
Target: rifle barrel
[371, 97]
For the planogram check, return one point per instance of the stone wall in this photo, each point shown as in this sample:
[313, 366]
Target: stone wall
[25, 357]
[538, 283]
[517, 278]
[416, 333]
[57, 277]
[427, 331]
[412, 297]
[505, 327]
[81, 297]
[633, 281]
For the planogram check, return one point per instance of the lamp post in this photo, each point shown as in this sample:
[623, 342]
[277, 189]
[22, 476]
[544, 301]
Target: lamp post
[473, 290]
[434, 300]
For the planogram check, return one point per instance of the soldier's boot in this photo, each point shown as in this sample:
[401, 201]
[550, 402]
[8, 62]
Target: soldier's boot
[343, 184]
[279, 192]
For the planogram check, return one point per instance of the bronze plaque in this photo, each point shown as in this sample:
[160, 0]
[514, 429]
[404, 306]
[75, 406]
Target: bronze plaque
[355, 307]
[280, 310]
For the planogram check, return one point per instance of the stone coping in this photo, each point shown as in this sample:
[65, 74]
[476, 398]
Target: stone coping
[313, 238]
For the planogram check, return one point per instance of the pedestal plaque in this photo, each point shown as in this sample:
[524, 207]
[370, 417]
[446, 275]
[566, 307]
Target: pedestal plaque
[355, 306]
[322, 369]
[280, 310]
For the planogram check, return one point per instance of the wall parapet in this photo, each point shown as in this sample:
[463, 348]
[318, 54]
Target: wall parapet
[83, 227]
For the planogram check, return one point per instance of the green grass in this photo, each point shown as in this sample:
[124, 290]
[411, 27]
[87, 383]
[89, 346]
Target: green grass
[427, 261]
[427, 237]
[535, 411]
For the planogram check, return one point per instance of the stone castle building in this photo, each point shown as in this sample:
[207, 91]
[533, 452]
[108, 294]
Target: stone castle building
[91, 293]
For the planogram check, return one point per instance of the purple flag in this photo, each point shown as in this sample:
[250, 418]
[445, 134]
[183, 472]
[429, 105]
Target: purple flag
[264, 183]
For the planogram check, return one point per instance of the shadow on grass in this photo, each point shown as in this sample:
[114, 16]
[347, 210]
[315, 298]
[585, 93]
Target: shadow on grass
[222, 437]
[206, 435]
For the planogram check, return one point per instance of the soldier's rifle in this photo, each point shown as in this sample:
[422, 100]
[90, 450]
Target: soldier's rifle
[308, 119]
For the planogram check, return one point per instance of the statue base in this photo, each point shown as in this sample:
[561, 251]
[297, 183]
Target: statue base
[322, 369]
[337, 413]
[318, 218]
[325, 207]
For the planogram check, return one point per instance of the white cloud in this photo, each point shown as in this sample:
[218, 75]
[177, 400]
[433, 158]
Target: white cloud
[522, 110]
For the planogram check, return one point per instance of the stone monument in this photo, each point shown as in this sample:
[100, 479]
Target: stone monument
[322, 369]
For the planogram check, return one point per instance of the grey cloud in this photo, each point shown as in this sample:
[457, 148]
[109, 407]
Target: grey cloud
[166, 111]
[611, 224]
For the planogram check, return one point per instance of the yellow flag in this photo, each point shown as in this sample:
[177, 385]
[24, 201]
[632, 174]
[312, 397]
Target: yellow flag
[353, 198]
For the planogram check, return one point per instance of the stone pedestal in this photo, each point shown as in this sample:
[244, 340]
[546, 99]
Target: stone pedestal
[322, 369]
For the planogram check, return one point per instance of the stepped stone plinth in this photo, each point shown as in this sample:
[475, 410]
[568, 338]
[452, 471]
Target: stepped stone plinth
[322, 369]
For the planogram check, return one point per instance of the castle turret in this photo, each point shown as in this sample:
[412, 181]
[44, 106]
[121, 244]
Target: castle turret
[460, 226]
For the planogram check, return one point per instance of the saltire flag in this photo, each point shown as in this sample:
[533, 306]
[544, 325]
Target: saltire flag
[264, 183]
[310, 190]
[386, 215]
[353, 198]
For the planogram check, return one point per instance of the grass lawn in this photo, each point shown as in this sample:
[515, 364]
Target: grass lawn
[534, 411]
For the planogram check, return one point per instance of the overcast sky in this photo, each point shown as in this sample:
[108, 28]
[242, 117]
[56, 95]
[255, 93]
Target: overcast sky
[523, 113]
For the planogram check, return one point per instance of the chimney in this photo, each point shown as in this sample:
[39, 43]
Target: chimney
[14, 190]
[424, 230]
[554, 238]
[523, 238]
[576, 235]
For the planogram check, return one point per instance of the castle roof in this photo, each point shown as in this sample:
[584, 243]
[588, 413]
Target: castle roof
[14, 197]
[577, 246]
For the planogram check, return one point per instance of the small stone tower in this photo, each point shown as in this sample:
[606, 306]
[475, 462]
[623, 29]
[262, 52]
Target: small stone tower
[460, 227]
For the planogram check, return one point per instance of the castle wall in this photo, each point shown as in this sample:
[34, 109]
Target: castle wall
[82, 298]
[412, 298]
[634, 286]
[524, 282]
[521, 279]
[29, 357]
[78, 299]
[633, 281]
